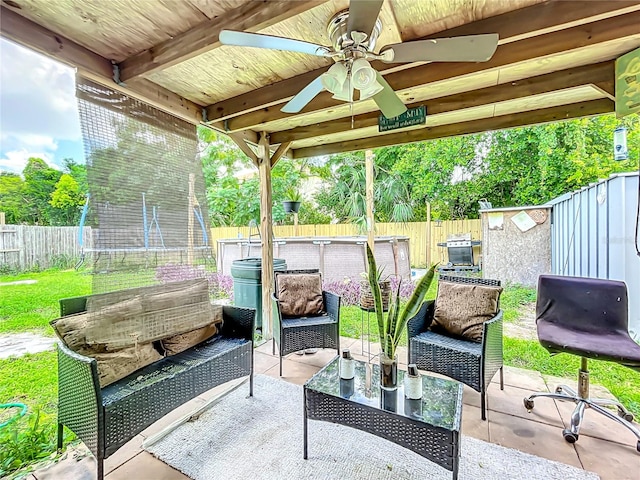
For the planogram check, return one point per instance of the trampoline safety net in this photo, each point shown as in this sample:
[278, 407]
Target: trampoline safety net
[147, 205]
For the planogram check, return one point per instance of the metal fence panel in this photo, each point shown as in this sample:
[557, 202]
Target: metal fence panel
[593, 234]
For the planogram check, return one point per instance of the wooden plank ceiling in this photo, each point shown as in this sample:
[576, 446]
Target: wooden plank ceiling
[554, 61]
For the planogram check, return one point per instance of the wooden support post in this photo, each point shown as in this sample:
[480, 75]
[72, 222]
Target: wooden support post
[428, 250]
[295, 224]
[191, 220]
[368, 165]
[266, 229]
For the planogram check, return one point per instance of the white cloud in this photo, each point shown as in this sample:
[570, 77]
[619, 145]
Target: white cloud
[38, 107]
[15, 160]
[37, 97]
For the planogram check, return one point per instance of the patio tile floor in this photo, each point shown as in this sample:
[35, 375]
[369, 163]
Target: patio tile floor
[603, 447]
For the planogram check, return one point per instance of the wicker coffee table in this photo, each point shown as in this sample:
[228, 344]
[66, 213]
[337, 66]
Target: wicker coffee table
[429, 426]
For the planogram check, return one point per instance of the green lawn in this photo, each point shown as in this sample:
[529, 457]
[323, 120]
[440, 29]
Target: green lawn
[30, 307]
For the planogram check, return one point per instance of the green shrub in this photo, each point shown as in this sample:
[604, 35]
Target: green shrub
[26, 441]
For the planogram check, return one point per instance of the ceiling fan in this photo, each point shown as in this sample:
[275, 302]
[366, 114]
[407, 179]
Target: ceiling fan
[354, 33]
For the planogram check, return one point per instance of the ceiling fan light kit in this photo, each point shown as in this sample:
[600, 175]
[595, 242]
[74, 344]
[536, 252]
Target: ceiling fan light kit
[354, 33]
[335, 78]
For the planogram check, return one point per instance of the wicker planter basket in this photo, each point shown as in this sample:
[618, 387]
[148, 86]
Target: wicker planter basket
[366, 297]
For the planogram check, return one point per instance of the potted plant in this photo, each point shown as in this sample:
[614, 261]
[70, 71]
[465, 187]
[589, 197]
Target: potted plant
[391, 327]
[366, 295]
[292, 203]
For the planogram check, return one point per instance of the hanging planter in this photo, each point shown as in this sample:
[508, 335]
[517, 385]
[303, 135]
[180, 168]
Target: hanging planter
[293, 200]
[291, 206]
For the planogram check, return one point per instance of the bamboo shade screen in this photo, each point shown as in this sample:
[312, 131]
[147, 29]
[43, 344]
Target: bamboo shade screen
[147, 204]
[416, 231]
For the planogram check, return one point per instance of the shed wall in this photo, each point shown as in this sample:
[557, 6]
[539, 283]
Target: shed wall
[510, 255]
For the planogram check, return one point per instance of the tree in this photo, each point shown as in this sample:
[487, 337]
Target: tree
[344, 198]
[79, 172]
[521, 166]
[12, 197]
[40, 182]
[232, 184]
[68, 200]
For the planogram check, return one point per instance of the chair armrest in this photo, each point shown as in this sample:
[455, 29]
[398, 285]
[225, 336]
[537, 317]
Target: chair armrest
[422, 320]
[238, 322]
[332, 304]
[69, 306]
[277, 315]
[492, 330]
[80, 397]
[492, 346]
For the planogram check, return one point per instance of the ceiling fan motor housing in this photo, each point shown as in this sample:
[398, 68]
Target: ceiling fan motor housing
[340, 39]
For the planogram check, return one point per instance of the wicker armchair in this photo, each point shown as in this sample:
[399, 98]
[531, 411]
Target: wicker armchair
[469, 362]
[292, 334]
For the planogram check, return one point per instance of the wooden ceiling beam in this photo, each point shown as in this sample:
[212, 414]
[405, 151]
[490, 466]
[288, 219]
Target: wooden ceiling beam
[253, 17]
[544, 115]
[540, 18]
[607, 88]
[574, 77]
[511, 53]
[510, 26]
[280, 151]
[244, 146]
[23, 31]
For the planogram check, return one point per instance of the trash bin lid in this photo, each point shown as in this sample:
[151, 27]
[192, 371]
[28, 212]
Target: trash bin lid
[255, 263]
[251, 268]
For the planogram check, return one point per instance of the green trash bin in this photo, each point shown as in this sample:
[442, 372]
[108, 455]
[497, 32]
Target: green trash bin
[247, 283]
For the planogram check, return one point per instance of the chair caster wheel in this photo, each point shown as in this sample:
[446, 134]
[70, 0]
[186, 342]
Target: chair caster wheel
[638, 446]
[528, 404]
[628, 416]
[569, 436]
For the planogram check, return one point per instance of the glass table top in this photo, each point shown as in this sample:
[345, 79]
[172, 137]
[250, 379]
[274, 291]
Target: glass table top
[440, 405]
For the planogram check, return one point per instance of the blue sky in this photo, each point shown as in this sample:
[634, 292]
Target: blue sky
[38, 110]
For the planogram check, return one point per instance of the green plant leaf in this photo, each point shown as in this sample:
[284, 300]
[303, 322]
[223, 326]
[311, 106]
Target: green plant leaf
[392, 320]
[377, 295]
[415, 302]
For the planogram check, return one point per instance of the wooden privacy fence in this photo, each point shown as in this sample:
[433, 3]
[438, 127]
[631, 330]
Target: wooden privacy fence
[416, 231]
[25, 247]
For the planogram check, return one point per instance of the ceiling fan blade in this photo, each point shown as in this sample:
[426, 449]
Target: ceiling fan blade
[472, 48]
[303, 97]
[257, 40]
[388, 102]
[363, 15]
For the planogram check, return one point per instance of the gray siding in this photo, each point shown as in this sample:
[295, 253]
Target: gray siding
[593, 235]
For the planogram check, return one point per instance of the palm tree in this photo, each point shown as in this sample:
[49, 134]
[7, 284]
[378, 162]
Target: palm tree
[347, 194]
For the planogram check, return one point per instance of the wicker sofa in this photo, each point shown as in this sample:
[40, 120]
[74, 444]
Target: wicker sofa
[105, 418]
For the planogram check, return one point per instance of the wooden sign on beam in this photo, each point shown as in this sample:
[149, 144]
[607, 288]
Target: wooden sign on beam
[628, 84]
[413, 116]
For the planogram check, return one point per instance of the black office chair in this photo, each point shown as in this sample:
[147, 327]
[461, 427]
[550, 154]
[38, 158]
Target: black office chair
[585, 317]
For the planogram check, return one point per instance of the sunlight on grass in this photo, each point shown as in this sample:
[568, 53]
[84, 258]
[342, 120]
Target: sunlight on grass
[30, 379]
[513, 298]
[30, 307]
